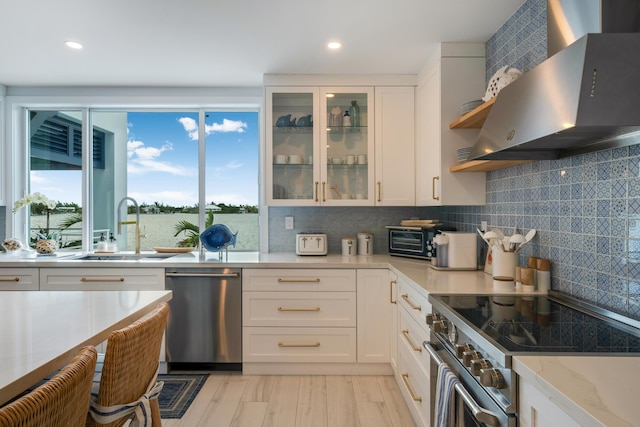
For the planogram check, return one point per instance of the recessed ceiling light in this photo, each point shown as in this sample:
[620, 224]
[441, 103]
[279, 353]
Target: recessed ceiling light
[73, 45]
[334, 45]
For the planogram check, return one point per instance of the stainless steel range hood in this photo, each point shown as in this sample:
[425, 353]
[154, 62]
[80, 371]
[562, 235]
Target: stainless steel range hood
[584, 98]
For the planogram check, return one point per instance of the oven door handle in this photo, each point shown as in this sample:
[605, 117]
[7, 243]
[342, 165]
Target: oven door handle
[480, 414]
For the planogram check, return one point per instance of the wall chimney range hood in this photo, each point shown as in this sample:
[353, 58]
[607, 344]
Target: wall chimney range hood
[585, 97]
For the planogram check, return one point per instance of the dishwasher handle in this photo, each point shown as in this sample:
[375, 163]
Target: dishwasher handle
[219, 275]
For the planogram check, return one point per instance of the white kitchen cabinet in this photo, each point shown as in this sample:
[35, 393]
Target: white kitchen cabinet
[537, 410]
[413, 371]
[19, 279]
[101, 279]
[393, 320]
[314, 157]
[287, 183]
[395, 146]
[298, 316]
[373, 324]
[304, 309]
[454, 74]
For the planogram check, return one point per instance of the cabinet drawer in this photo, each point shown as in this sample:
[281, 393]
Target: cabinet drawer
[19, 279]
[415, 387]
[415, 303]
[299, 309]
[100, 279]
[337, 345]
[411, 336]
[293, 280]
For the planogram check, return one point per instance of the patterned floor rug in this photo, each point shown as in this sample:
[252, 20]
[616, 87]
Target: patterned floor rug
[178, 393]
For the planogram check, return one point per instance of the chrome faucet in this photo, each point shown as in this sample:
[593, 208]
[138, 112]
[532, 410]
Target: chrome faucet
[136, 222]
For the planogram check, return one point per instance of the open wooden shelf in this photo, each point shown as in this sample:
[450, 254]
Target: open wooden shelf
[474, 118]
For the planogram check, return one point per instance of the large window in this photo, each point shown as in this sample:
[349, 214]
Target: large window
[154, 158]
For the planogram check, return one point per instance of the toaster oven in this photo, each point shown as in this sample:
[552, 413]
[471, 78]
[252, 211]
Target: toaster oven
[413, 242]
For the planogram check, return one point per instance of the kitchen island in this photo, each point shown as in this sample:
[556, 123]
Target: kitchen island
[41, 331]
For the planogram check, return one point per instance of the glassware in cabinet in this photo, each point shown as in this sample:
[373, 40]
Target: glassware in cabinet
[347, 145]
[292, 146]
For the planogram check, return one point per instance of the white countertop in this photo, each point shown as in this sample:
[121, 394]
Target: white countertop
[594, 391]
[418, 271]
[40, 331]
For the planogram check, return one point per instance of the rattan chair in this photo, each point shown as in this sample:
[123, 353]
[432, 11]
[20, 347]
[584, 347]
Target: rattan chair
[61, 401]
[130, 372]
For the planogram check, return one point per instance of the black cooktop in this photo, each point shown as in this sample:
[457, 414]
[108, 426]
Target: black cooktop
[539, 324]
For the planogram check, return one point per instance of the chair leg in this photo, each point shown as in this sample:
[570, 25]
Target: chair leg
[155, 413]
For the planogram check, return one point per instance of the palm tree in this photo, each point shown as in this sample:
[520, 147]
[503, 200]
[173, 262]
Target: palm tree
[191, 231]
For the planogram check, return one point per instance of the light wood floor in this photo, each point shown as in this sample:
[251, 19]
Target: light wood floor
[281, 401]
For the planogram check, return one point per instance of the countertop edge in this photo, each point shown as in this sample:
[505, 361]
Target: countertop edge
[580, 386]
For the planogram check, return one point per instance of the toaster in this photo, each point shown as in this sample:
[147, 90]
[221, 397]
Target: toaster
[311, 244]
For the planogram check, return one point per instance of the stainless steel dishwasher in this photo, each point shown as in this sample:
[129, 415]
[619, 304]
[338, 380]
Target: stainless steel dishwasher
[205, 321]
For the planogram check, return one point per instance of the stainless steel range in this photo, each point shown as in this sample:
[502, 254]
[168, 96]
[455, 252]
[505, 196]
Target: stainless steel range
[477, 336]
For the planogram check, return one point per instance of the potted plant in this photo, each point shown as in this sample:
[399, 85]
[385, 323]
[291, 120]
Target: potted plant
[46, 241]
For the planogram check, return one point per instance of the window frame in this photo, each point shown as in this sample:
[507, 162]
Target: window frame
[16, 163]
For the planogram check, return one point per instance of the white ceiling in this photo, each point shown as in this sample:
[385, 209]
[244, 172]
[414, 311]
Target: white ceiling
[195, 43]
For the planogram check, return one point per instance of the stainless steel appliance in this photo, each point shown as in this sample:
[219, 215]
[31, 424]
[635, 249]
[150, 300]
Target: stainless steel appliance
[413, 241]
[579, 99]
[477, 336]
[205, 321]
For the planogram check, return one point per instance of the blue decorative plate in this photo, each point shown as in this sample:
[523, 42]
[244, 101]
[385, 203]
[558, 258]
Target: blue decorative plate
[218, 237]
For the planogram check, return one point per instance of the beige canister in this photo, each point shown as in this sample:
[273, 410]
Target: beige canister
[365, 243]
[349, 246]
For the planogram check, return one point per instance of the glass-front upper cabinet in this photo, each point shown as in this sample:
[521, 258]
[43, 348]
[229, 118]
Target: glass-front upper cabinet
[347, 146]
[319, 146]
[292, 153]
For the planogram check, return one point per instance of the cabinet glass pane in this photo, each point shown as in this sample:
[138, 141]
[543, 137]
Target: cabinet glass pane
[292, 131]
[347, 146]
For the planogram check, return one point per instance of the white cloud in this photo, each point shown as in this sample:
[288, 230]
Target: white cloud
[143, 159]
[220, 170]
[226, 126]
[191, 127]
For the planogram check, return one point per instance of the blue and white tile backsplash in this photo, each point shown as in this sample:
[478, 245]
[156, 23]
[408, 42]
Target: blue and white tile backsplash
[521, 42]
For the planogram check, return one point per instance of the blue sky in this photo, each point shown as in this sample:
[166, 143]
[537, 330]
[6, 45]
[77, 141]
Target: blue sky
[162, 160]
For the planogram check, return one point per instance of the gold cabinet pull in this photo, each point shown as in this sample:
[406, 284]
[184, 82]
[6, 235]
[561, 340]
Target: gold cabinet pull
[415, 307]
[324, 193]
[282, 345]
[298, 309]
[433, 188]
[101, 279]
[379, 191]
[405, 332]
[405, 379]
[9, 279]
[281, 280]
[391, 300]
[316, 191]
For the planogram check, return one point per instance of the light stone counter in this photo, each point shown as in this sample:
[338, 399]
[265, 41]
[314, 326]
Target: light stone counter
[417, 271]
[594, 391]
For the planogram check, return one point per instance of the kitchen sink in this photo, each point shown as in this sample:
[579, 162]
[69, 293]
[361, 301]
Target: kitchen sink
[122, 257]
